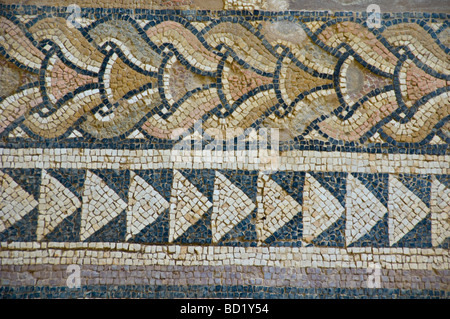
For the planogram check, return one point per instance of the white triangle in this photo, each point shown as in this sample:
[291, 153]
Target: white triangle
[56, 203]
[136, 134]
[101, 204]
[406, 210]
[278, 206]
[75, 134]
[231, 206]
[363, 210]
[145, 204]
[18, 132]
[320, 208]
[440, 212]
[15, 202]
[187, 205]
[437, 140]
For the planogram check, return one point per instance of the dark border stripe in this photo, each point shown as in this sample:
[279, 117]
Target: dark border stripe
[217, 291]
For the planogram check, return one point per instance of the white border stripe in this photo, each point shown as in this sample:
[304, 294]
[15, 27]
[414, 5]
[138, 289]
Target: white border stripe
[32, 253]
[285, 161]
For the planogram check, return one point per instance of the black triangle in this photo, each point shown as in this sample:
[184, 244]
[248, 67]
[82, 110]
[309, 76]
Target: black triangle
[72, 179]
[289, 235]
[291, 182]
[28, 178]
[378, 236]
[243, 234]
[198, 233]
[154, 233]
[377, 184]
[420, 185]
[68, 230]
[334, 182]
[245, 180]
[419, 236]
[114, 231]
[23, 230]
[333, 236]
[117, 180]
[202, 179]
[160, 179]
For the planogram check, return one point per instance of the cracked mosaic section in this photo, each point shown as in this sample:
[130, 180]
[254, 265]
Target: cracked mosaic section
[254, 151]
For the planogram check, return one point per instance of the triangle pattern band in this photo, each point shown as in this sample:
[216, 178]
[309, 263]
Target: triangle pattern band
[205, 206]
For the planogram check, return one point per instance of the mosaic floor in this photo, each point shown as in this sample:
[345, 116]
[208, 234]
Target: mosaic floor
[237, 153]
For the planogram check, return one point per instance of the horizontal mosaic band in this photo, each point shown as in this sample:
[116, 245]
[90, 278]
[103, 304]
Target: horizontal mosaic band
[217, 291]
[246, 160]
[55, 275]
[357, 88]
[281, 208]
[178, 255]
[231, 153]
